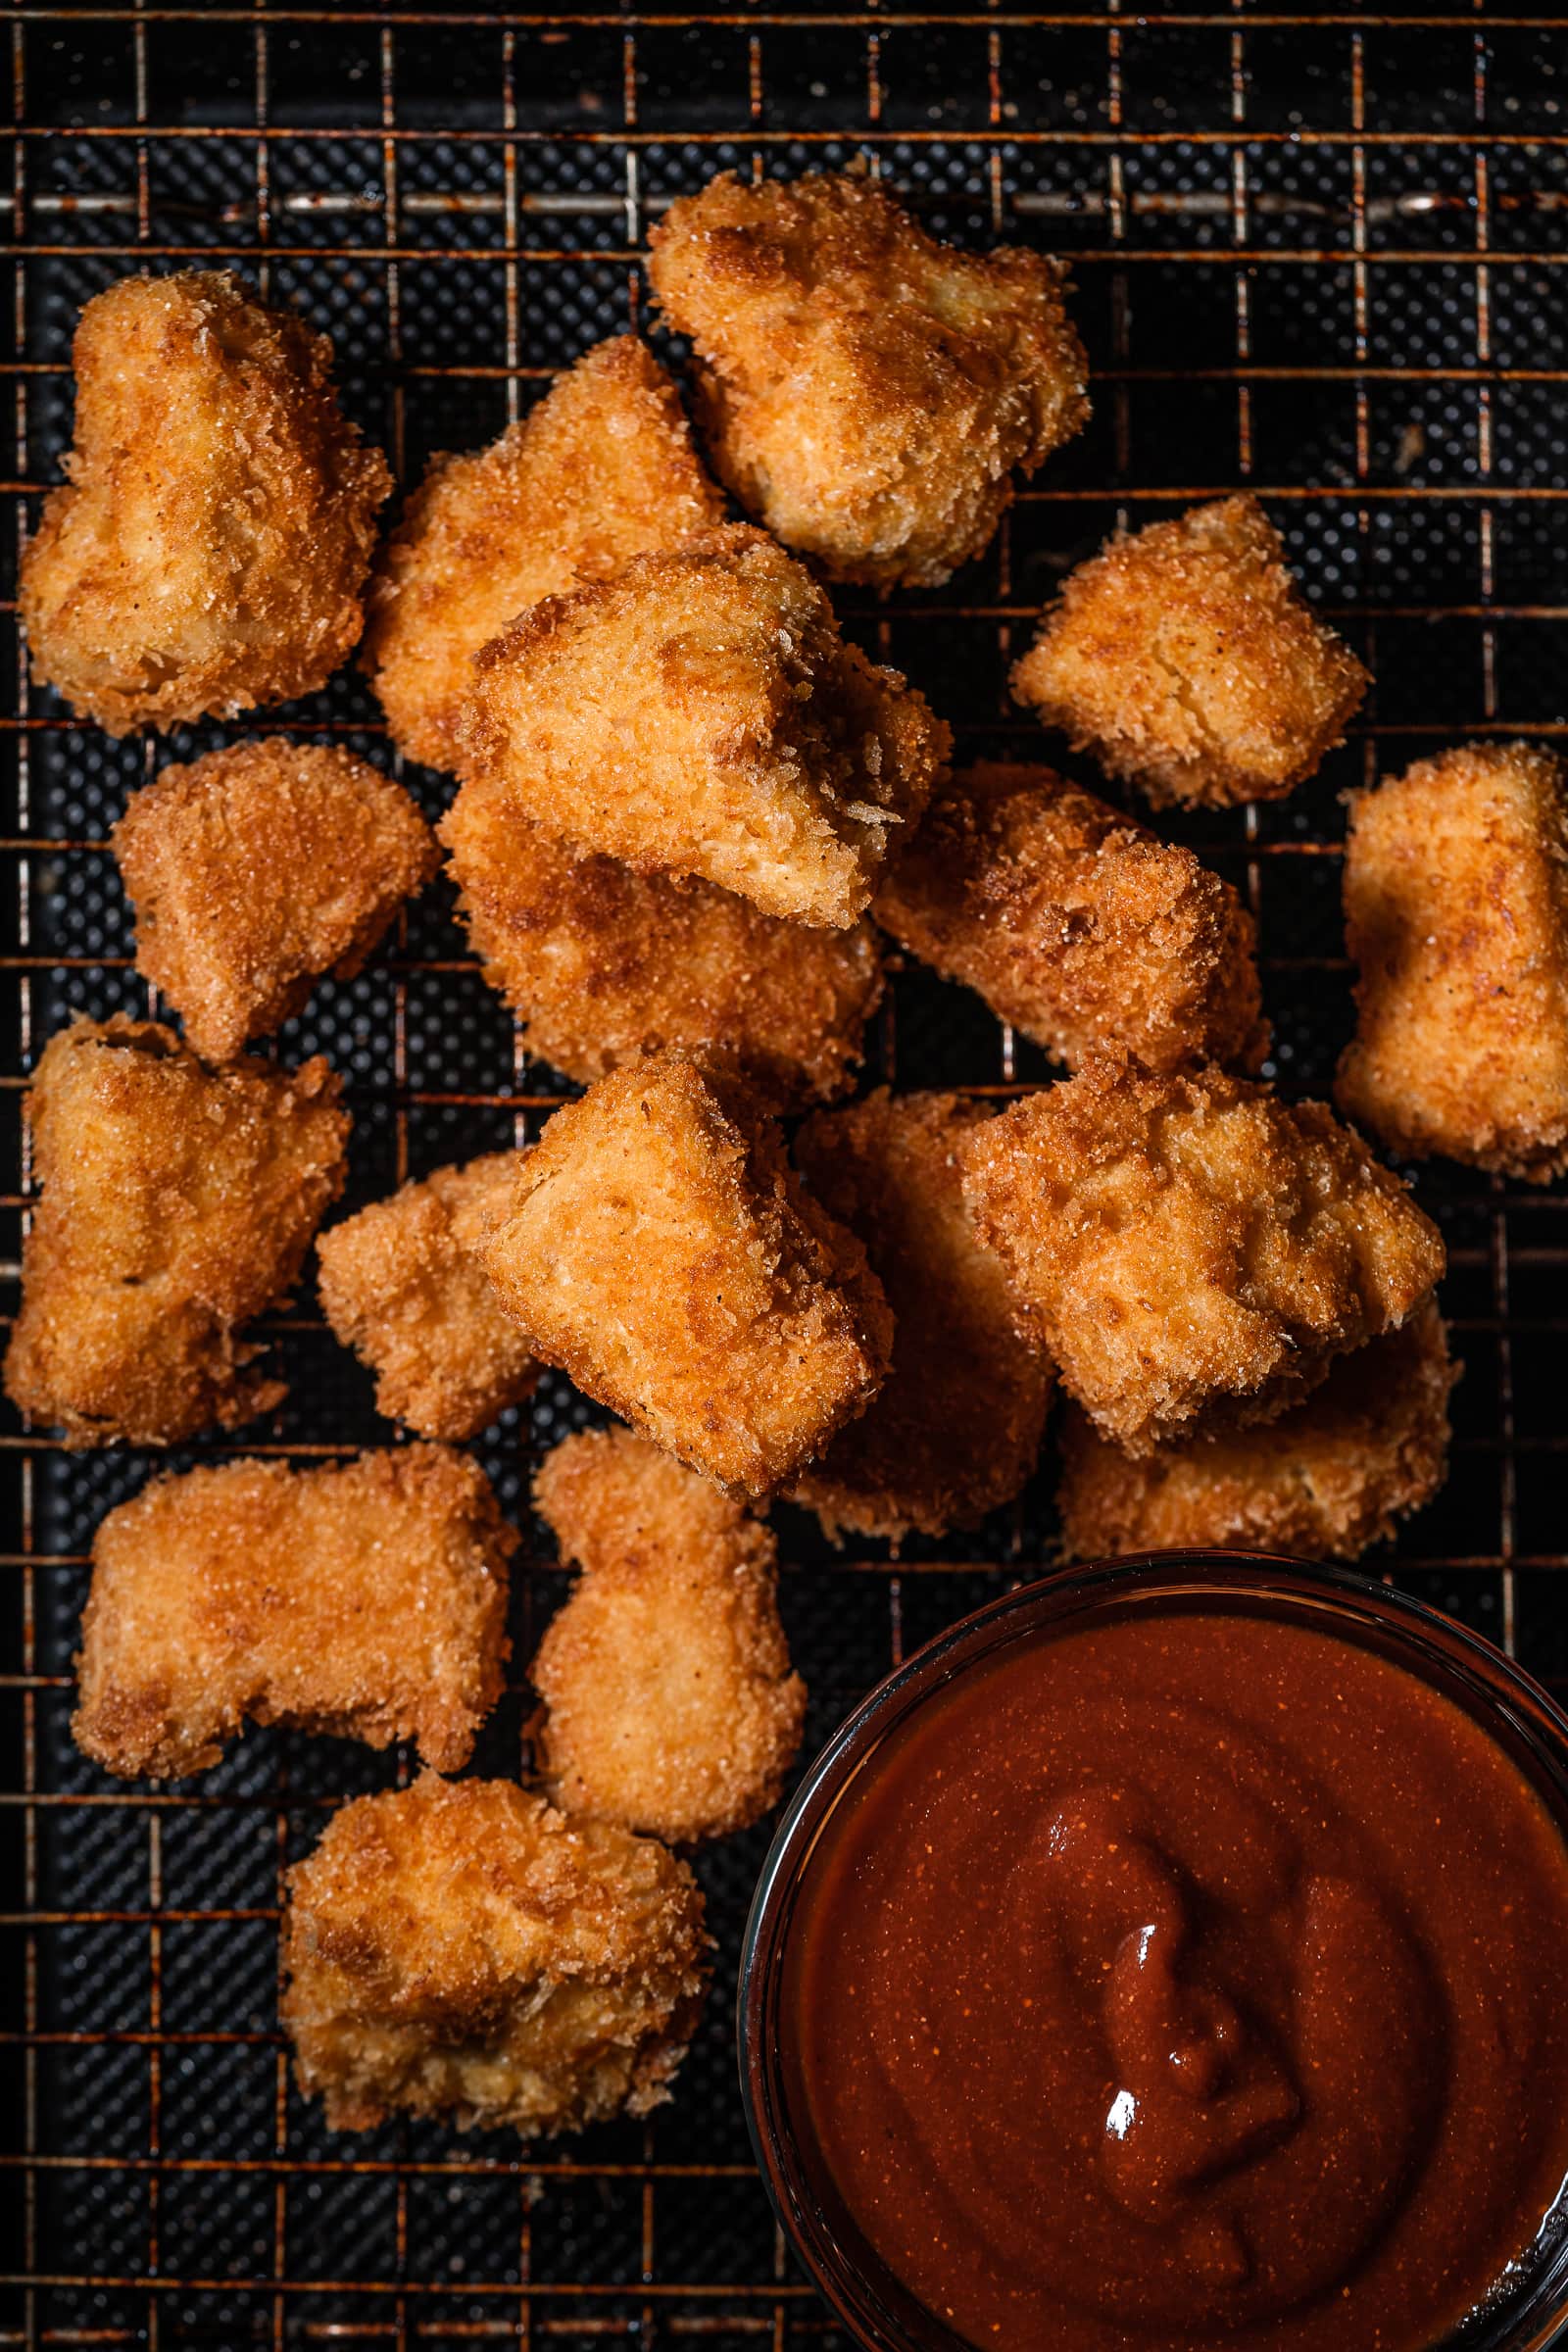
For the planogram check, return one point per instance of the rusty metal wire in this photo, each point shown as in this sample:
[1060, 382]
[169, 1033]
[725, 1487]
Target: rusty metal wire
[1317, 254]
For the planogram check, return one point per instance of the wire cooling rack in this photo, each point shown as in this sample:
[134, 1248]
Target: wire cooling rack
[1320, 256]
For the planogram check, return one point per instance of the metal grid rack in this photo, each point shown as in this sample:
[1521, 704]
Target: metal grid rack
[1316, 255]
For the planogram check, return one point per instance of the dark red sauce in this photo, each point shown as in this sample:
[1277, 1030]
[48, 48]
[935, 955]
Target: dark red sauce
[1187, 1979]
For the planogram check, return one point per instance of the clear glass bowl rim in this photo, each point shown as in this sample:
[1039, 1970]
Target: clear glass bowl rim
[878, 2313]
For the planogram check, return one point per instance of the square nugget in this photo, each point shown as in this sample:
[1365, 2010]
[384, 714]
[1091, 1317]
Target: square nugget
[1190, 1251]
[1456, 911]
[366, 1599]
[178, 1202]
[699, 713]
[400, 1285]
[1187, 660]
[259, 870]
[866, 390]
[462, 1948]
[602, 964]
[1336, 1473]
[662, 1253]
[1077, 925]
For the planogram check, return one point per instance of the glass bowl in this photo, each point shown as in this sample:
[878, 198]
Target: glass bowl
[880, 2313]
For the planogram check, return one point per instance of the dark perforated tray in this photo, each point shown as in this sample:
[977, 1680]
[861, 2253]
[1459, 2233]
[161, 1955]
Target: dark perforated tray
[1320, 256]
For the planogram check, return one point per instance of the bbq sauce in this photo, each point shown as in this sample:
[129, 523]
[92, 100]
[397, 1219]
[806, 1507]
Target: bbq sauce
[1191, 1979]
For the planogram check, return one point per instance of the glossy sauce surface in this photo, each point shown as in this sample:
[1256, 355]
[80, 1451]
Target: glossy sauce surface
[1188, 1977]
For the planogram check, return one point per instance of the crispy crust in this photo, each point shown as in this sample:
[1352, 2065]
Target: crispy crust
[1330, 1477]
[1187, 660]
[402, 1287]
[700, 714]
[956, 1428]
[208, 550]
[460, 1949]
[601, 469]
[256, 871]
[602, 964]
[662, 1253]
[927, 374]
[668, 1702]
[1078, 926]
[1190, 1251]
[178, 1202]
[1457, 910]
[367, 1600]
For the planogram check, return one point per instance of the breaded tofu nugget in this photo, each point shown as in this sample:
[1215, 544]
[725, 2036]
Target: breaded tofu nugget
[1188, 660]
[866, 390]
[699, 713]
[256, 871]
[1077, 925]
[662, 1251]
[460, 1949]
[954, 1429]
[1330, 1477]
[178, 1202]
[208, 550]
[1457, 910]
[602, 964]
[668, 1702]
[402, 1287]
[368, 1600]
[1190, 1251]
[601, 469]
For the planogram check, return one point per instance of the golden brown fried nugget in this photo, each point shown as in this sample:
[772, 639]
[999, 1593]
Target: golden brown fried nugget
[602, 469]
[668, 1702]
[955, 1430]
[1077, 925]
[866, 390]
[1328, 1478]
[178, 1202]
[367, 1600]
[1190, 1251]
[209, 547]
[602, 964]
[662, 1253]
[700, 714]
[256, 871]
[1187, 660]
[402, 1287]
[459, 1948]
[1456, 906]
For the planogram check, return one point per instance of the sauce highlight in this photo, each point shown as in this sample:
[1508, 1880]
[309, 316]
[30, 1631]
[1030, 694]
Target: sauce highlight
[1191, 1976]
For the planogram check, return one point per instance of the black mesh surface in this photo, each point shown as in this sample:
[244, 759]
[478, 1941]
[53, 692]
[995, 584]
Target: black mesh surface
[1320, 257]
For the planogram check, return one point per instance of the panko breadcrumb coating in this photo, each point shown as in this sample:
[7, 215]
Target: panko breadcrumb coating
[1456, 907]
[368, 1600]
[207, 548]
[1327, 1479]
[668, 1702]
[662, 1251]
[699, 713]
[256, 871]
[866, 390]
[1190, 1251]
[602, 964]
[955, 1427]
[1187, 660]
[400, 1285]
[601, 469]
[1077, 925]
[178, 1202]
[460, 1949]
